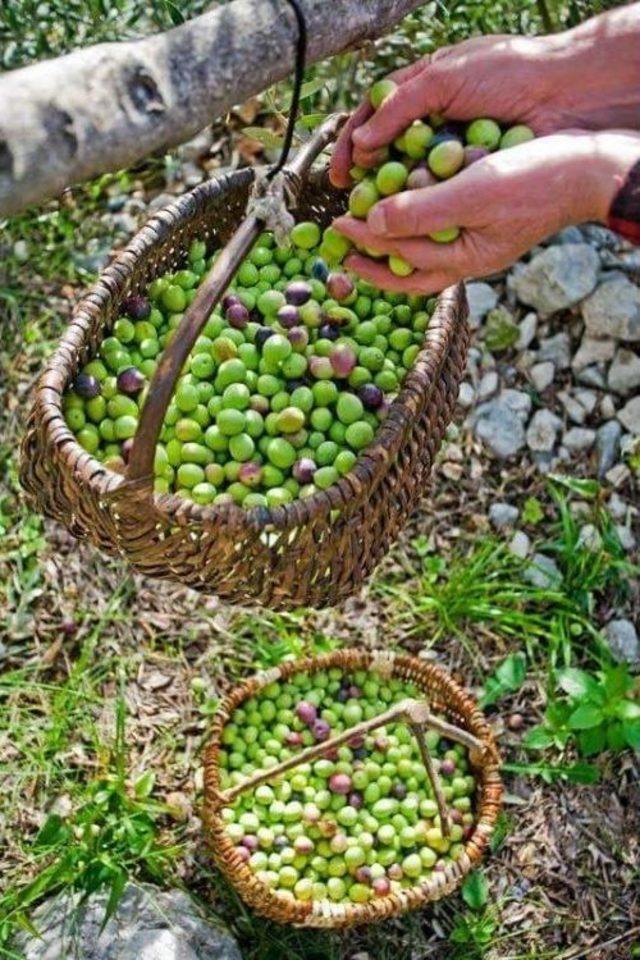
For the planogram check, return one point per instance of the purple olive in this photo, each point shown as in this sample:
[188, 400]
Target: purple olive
[307, 712]
[292, 385]
[399, 791]
[355, 692]
[371, 396]
[262, 335]
[250, 474]
[343, 360]
[288, 316]
[250, 842]
[419, 178]
[339, 286]
[237, 315]
[297, 292]
[342, 695]
[229, 300]
[298, 337]
[473, 154]
[280, 843]
[137, 307]
[130, 381]
[363, 874]
[304, 469]
[320, 270]
[86, 386]
[359, 753]
[329, 331]
[321, 730]
[447, 768]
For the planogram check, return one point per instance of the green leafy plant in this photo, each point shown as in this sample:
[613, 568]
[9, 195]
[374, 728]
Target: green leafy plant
[595, 711]
[532, 511]
[507, 678]
[475, 929]
[581, 772]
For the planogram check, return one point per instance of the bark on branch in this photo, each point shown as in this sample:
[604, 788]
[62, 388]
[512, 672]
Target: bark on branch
[105, 107]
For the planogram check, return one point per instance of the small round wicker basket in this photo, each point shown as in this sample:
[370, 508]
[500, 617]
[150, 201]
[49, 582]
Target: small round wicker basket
[443, 695]
[314, 551]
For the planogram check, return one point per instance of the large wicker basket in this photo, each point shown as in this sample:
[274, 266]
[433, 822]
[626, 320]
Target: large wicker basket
[314, 551]
[443, 695]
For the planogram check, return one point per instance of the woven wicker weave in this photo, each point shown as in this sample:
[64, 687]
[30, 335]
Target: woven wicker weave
[443, 695]
[314, 551]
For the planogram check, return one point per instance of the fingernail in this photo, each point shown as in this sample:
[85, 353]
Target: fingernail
[377, 219]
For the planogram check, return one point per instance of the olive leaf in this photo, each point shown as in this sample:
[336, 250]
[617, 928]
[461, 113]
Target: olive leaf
[475, 890]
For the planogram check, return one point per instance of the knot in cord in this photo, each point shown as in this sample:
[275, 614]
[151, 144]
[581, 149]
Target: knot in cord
[270, 200]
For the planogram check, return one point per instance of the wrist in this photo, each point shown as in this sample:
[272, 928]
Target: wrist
[614, 154]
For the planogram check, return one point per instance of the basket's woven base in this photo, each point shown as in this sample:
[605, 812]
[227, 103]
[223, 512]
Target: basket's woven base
[445, 696]
[312, 552]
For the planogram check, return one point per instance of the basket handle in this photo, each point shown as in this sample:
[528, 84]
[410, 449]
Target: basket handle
[142, 453]
[415, 713]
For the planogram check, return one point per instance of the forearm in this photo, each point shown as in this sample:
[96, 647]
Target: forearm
[592, 73]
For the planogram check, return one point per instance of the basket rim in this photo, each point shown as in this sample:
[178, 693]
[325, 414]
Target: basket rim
[111, 285]
[304, 913]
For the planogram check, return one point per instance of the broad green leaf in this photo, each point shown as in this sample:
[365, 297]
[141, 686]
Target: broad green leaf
[508, 677]
[577, 683]
[585, 716]
[532, 512]
[51, 832]
[631, 730]
[617, 681]
[311, 120]
[475, 890]
[537, 739]
[592, 741]
[144, 784]
[628, 710]
[264, 136]
[306, 90]
[616, 739]
[582, 773]
[117, 886]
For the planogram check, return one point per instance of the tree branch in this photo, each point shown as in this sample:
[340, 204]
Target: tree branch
[105, 107]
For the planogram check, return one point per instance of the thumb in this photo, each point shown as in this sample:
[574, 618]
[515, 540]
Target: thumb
[424, 93]
[417, 213]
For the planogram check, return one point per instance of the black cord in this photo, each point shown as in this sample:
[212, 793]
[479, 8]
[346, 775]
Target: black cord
[301, 55]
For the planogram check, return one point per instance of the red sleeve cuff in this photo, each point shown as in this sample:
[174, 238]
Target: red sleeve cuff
[624, 216]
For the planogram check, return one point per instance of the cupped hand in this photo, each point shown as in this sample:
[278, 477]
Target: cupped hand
[501, 77]
[503, 204]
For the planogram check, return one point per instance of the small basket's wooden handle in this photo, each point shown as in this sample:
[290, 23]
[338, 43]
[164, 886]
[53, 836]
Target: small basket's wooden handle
[142, 453]
[415, 713]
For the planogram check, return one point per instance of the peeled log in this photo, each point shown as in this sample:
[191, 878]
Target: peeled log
[105, 107]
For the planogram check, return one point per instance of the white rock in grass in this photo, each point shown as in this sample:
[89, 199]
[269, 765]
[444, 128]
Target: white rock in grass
[520, 544]
[500, 422]
[488, 385]
[502, 515]
[148, 924]
[608, 446]
[543, 572]
[578, 439]
[626, 537]
[557, 278]
[557, 349]
[589, 538]
[526, 331]
[592, 350]
[613, 310]
[466, 395]
[622, 638]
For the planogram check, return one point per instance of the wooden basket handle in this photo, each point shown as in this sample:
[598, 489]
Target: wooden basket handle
[415, 713]
[161, 387]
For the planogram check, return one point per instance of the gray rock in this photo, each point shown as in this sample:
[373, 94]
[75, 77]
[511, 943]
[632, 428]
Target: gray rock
[575, 410]
[557, 349]
[607, 407]
[502, 515]
[543, 572]
[488, 385]
[520, 544]
[600, 237]
[624, 372]
[622, 638]
[542, 375]
[591, 377]
[543, 430]
[21, 251]
[526, 331]
[589, 538]
[197, 147]
[568, 235]
[500, 422]
[466, 395]
[578, 439]
[608, 446]
[148, 924]
[95, 257]
[618, 475]
[617, 507]
[557, 278]
[482, 298]
[613, 310]
[626, 537]
[586, 398]
[592, 350]
[629, 416]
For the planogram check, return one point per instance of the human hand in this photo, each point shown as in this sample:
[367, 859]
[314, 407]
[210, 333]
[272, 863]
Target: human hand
[504, 204]
[583, 78]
